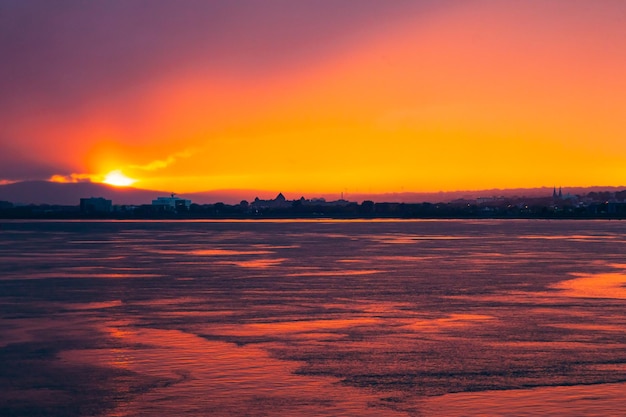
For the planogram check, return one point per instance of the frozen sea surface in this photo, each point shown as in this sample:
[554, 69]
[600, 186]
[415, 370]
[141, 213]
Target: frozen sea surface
[313, 318]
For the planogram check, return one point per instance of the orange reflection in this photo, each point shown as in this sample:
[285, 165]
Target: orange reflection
[202, 376]
[255, 263]
[587, 400]
[609, 285]
[211, 252]
[96, 305]
[299, 326]
[228, 252]
[452, 321]
[341, 272]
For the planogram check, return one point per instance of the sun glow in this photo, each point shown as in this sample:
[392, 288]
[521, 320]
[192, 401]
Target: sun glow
[458, 96]
[118, 179]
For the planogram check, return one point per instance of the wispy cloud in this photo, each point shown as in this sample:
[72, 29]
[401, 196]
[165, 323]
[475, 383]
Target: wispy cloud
[164, 163]
[75, 178]
[98, 178]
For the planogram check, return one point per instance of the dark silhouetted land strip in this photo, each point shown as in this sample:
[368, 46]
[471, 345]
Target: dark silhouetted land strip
[595, 205]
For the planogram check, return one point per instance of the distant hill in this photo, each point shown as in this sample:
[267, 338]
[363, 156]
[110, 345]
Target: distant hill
[55, 193]
[45, 192]
[447, 196]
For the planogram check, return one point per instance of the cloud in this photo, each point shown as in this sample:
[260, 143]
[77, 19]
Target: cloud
[164, 163]
[73, 178]
[98, 178]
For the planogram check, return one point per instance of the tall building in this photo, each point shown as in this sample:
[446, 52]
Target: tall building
[95, 205]
[171, 203]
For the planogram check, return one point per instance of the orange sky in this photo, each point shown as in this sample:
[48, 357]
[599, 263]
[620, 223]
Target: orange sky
[456, 95]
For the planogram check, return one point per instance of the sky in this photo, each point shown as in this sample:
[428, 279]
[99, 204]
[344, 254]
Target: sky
[314, 96]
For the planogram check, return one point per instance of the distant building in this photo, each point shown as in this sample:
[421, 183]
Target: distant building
[484, 200]
[171, 203]
[615, 207]
[323, 202]
[95, 205]
[279, 201]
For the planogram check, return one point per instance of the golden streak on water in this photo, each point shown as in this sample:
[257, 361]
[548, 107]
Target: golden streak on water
[608, 285]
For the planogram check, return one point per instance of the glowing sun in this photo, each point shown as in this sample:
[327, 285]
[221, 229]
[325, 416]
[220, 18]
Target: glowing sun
[118, 179]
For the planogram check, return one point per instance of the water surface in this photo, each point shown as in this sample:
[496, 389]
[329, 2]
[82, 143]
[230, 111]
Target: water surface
[354, 318]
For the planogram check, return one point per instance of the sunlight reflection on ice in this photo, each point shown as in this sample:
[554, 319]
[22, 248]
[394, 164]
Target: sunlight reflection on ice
[317, 318]
[211, 252]
[609, 285]
[451, 321]
[95, 305]
[590, 400]
[410, 239]
[228, 252]
[300, 326]
[340, 272]
[255, 263]
[199, 369]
